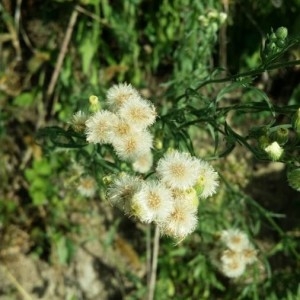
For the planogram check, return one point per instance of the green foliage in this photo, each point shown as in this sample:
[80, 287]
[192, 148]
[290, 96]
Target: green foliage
[202, 110]
[39, 176]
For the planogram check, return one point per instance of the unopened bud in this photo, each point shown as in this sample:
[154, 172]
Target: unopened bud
[263, 141]
[222, 17]
[296, 121]
[158, 143]
[281, 135]
[293, 177]
[273, 37]
[281, 33]
[94, 104]
[107, 180]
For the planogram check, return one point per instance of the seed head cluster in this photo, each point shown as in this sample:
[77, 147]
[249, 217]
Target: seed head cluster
[125, 125]
[170, 198]
[238, 253]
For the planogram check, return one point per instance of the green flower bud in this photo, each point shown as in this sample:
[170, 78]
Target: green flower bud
[222, 17]
[263, 141]
[107, 180]
[270, 48]
[281, 135]
[293, 177]
[213, 14]
[158, 143]
[296, 121]
[273, 37]
[281, 33]
[280, 43]
[159, 138]
[94, 104]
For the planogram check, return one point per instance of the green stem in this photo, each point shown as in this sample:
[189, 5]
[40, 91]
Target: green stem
[152, 282]
[255, 72]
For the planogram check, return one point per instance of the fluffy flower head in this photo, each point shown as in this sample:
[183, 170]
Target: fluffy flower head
[143, 163]
[119, 94]
[138, 112]
[187, 197]
[207, 181]
[235, 239]
[274, 151]
[249, 254]
[98, 126]
[78, 121]
[233, 266]
[121, 191]
[181, 222]
[87, 186]
[153, 202]
[178, 169]
[133, 145]
[120, 128]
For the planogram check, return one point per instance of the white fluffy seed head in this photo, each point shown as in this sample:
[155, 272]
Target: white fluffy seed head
[178, 169]
[207, 181]
[138, 112]
[87, 186]
[229, 255]
[78, 121]
[120, 129]
[133, 145]
[143, 163]
[187, 197]
[121, 191]
[181, 222]
[233, 266]
[98, 126]
[249, 254]
[119, 94]
[153, 202]
[235, 239]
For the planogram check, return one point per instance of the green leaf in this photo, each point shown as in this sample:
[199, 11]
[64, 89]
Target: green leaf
[264, 97]
[55, 136]
[38, 197]
[229, 88]
[65, 249]
[24, 99]
[87, 50]
[42, 167]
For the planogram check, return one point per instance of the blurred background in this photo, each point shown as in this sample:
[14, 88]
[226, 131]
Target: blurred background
[57, 242]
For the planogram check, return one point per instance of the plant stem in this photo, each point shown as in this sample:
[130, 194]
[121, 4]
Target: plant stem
[152, 281]
[254, 72]
[148, 253]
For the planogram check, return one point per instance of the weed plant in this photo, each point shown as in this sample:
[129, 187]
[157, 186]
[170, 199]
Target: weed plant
[210, 123]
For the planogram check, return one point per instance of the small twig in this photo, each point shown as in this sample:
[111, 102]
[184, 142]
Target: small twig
[62, 53]
[152, 281]
[15, 282]
[11, 27]
[91, 15]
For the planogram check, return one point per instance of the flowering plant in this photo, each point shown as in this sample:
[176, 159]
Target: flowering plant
[149, 167]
